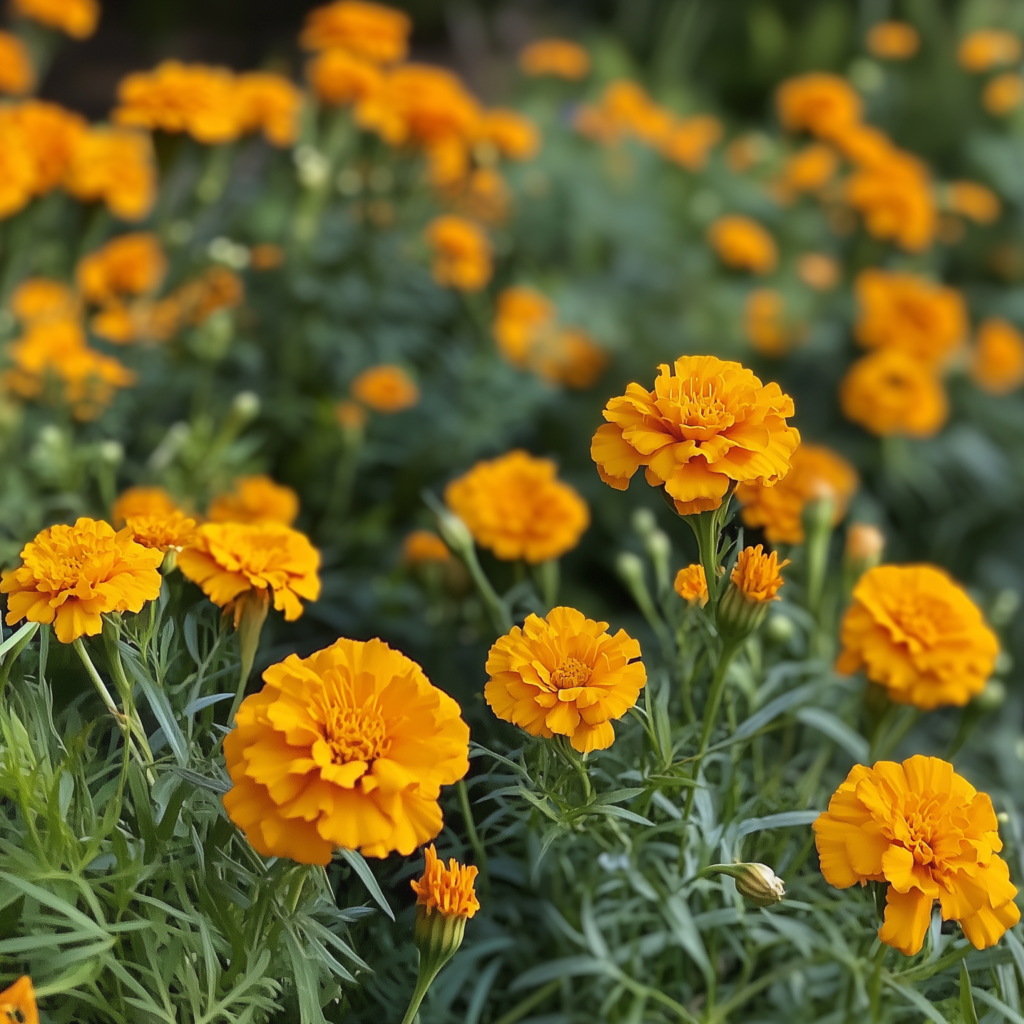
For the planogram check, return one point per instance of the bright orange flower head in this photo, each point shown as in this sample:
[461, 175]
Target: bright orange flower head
[988, 48]
[255, 499]
[270, 104]
[522, 315]
[76, 18]
[757, 576]
[691, 140]
[173, 530]
[71, 575]
[371, 31]
[925, 831]
[52, 135]
[865, 543]
[132, 264]
[386, 389]
[39, 298]
[744, 244]
[918, 634]
[18, 1002]
[910, 314]
[513, 134]
[215, 289]
[822, 104]
[142, 501]
[565, 675]
[346, 748]
[517, 507]
[266, 256]
[808, 170]
[114, 166]
[568, 356]
[462, 253]
[765, 323]
[18, 176]
[818, 271]
[558, 58]
[422, 546]
[817, 472]
[891, 392]
[974, 201]
[17, 75]
[893, 40]
[1003, 94]
[706, 426]
[340, 78]
[997, 360]
[896, 201]
[692, 585]
[448, 890]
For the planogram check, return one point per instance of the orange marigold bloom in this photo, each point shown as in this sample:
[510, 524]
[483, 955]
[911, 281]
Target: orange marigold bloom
[132, 264]
[1003, 94]
[142, 501]
[346, 748]
[918, 634]
[817, 472]
[568, 356]
[895, 199]
[988, 48]
[18, 178]
[17, 75]
[706, 426]
[18, 1002]
[39, 298]
[52, 135]
[559, 58]
[818, 271]
[163, 532]
[865, 543]
[71, 575]
[891, 392]
[691, 141]
[627, 109]
[266, 256]
[822, 104]
[386, 389]
[744, 244]
[764, 322]
[808, 170]
[974, 201]
[114, 166]
[692, 585]
[424, 546]
[341, 78]
[565, 675]
[448, 890]
[522, 314]
[76, 18]
[997, 360]
[866, 146]
[255, 499]
[484, 196]
[757, 576]
[270, 104]
[893, 40]
[513, 134]
[371, 31]
[216, 289]
[927, 832]
[462, 253]
[238, 562]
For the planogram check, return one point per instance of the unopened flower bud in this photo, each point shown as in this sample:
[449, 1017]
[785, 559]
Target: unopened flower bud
[630, 569]
[864, 546]
[659, 550]
[644, 522]
[754, 584]
[755, 882]
[246, 406]
[779, 629]
[111, 452]
[454, 531]
[992, 697]
[1004, 607]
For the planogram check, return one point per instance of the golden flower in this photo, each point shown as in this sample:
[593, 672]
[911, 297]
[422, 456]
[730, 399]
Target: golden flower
[71, 575]
[1003, 94]
[341, 78]
[142, 501]
[462, 253]
[818, 271]
[237, 562]
[76, 18]
[974, 201]
[17, 171]
[703, 428]
[424, 546]
[255, 499]
[627, 109]
[174, 97]
[822, 104]
[132, 264]
[163, 532]
[997, 360]
[522, 314]
[215, 289]
[927, 832]
[744, 244]
[559, 58]
[764, 322]
[891, 392]
[18, 1002]
[746, 151]
[808, 170]
[691, 140]
[895, 199]
[386, 389]
[692, 585]
[266, 256]
[270, 104]
[757, 576]
[371, 31]
[988, 48]
[17, 75]
[865, 543]
[893, 40]
[346, 748]
[865, 146]
[816, 472]
[565, 675]
[448, 890]
[917, 633]
[484, 196]
[114, 166]
[52, 135]
[513, 134]
[40, 298]
[350, 415]
[517, 507]
[568, 356]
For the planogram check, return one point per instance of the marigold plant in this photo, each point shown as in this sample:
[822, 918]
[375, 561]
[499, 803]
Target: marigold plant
[448, 891]
[988, 48]
[76, 18]
[691, 585]
[372, 31]
[744, 244]
[819, 103]
[462, 253]
[255, 499]
[131, 264]
[559, 58]
[17, 75]
[893, 40]
[891, 392]
[18, 1002]
[997, 358]
[386, 389]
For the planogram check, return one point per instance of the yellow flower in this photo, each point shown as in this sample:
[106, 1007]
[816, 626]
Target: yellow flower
[448, 890]
[691, 140]
[255, 499]
[266, 256]
[816, 472]
[742, 243]
[114, 166]
[918, 634]
[565, 675]
[76, 18]
[17, 173]
[71, 575]
[757, 576]
[818, 271]
[132, 264]
[340, 78]
[819, 103]
[462, 253]
[517, 507]
[692, 585]
[706, 426]
[559, 58]
[997, 360]
[216, 289]
[386, 389]
[895, 199]
[865, 543]
[975, 201]
[347, 748]
[808, 170]
[927, 832]
[1003, 94]
[174, 530]
[513, 134]
[371, 31]
[17, 75]
[270, 104]
[39, 298]
[52, 135]
[988, 48]
[522, 314]
[891, 392]
[18, 1002]
[893, 40]
[568, 356]
[142, 501]
[424, 546]
[235, 563]
[765, 324]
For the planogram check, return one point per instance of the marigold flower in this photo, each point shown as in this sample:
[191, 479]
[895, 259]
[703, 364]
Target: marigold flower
[818, 271]
[386, 389]
[517, 507]
[1003, 94]
[142, 501]
[17, 75]
[424, 546]
[918, 634]
[627, 109]
[270, 104]
[255, 499]
[974, 201]
[808, 170]
[893, 40]
[174, 530]
[988, 48]
[216, 289]
[266, 256]
[18, 1002]
[765, 323]
[350, 416]
[40, 298]
[114, 166]
[895, 199]
[744, 244]
[865, 544]
[708, 425]
[558, 58]
[891, 392]
[522, 314]
[819, 103]
[371, 31]
[132, 264]
[462, 253]
[71, 575]
[692, 585]
[513, 134]
[340, 78]
[52, 135]
[997, 360]
[447, 890]
[565, 675]
[17, 173]
[928, 833]
[568, 356]
[76, 18]
[757, 576]
[866, 146]
[816, 472]
[484, 196]
[363, 742]
[691, 140]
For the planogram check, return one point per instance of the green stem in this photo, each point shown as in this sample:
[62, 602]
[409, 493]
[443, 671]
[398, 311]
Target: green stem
[704, 529]
[496, 608]
[474, 837]
[534, 999]
[423, 983]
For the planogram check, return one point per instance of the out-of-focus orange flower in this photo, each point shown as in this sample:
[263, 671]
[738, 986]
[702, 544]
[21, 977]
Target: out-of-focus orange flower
[746, 151]
[691, 140]
[891, 392]
[462, 253]
[17, 75]
[132, 264]
[988, 48]
[808, 170]
[631, 111]
[522, 315]
[744, 244]
[17, 173]
[893, 40]
[114, 166]
[764, 322]
[39, 298]
[513, 134]
[910, 313]
[569, 356]
[18, 1002]
[484, 196]
[865, 146]
[1003, 94]
[266, 256]
[141, 501]
[123, 323]
[371, 31]
[52, 135]
[386, 389]
[255, 499]
[422, 546]
[558, 58]
[270, 104]
[895, 199]
[692, 585]
[172, 531]
[818, 271]
[974, 201]
[76, 18]
[215, 289]
[350, 416]
[341, 78]
[997, 360]
[822, 104]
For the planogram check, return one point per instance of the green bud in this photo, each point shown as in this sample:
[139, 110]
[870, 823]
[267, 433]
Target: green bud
[644, 522]
[754, 882]
[454, 532]
[779, 629]
[992, 697]
[738, 615]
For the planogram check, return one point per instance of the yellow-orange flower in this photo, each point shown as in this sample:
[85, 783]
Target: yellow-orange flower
[568, 356]
[346, 748]
[17, 75]
[559, 58]
[706, 426]
[808, 170]
[522, 314]
[744, 244]
[757, 576]
[114, 166]
[691, 140]
[865, 543]
[52, 135]
[71, 575]
[517, 507]
[270, 104]
[895, 199]
[371, 31]
[40, 298]
[893, 40]
[818, 271]
[255, 499]
[17, 172]
[424, 546]
[765, 324]
[918, 634]
[822, 104]
[238, 562]
[132, 264]
[462, 253]
[142, 501]
[891, 392]
[988, 48]
[975, 201]
[350, 415]
[513, 134]
[266, 256]
[76, 18]
[929, 834]
[997, 360]
[163, 532]
[910, 314]
[448, 890]
[692, 585]
[386, 389]
[817, 472]
[1003, 94]
[565, 675]
[216, 289]
[18, 1002]
[341, 78]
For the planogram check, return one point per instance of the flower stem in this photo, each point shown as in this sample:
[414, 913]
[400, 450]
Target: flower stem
[496, 608]
[474, 836]
[423, 983]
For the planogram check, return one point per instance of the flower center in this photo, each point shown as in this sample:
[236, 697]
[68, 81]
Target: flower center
[357, 734]
[570, 673]
[696, 409]
[921, 824]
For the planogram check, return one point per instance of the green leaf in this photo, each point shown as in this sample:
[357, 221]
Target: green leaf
[915, 998]
[565, 967]
[358, 864]
[158, 703]
[837, 731]
[988, 999]
[970, 1014]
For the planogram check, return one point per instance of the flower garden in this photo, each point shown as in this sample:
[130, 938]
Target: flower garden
[546, 560]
